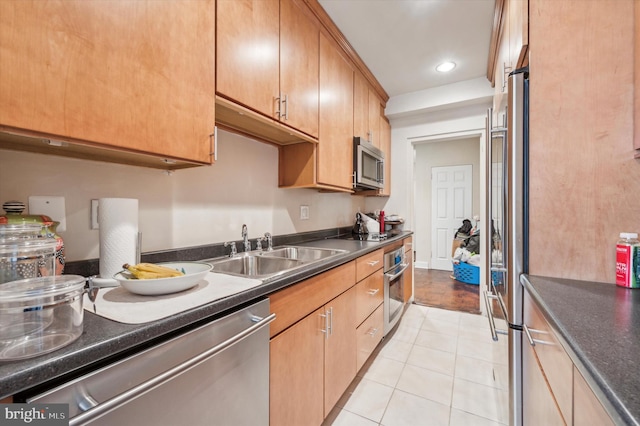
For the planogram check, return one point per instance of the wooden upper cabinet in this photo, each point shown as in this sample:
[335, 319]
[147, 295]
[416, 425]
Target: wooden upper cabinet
[138, 76]
[360, 107]
[247, 50]
[335, 146]
[268, 60]
[367, 108]
[299, 65]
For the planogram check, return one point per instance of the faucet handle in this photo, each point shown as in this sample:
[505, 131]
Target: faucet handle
[259, 243]
[234, 251]
[269, 238]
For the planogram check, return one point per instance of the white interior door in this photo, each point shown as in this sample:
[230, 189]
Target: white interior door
[451, 203]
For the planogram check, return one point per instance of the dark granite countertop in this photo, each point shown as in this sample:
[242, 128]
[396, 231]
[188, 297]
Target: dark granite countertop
[103, 340]
[599, 326]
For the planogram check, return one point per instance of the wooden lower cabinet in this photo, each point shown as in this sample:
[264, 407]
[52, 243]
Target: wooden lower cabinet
[297, 373]
[339, 348]
[313, 362]
[587, 410]
[538, 404]
[369, 335]
[369, 295]
[408, 275]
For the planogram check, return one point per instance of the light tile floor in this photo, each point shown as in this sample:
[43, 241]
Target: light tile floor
[438, 367]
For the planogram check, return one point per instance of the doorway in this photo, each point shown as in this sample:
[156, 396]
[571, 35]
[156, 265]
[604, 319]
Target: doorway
[448, 151]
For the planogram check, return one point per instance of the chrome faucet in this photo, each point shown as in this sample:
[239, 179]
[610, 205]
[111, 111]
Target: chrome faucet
[267, 236]
[245, 238]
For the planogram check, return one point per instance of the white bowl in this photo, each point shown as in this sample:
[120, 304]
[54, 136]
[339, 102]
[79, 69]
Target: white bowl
[194, 272]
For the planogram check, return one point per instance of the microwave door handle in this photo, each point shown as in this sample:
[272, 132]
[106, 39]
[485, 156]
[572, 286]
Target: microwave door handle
[380, 171]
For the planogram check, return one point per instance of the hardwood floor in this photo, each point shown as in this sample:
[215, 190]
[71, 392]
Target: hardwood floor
[437, 289]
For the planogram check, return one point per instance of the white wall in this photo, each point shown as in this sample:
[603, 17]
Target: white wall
[198, 206]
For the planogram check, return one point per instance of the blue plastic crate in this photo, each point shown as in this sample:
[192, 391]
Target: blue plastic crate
[466, 273]
[470, 274]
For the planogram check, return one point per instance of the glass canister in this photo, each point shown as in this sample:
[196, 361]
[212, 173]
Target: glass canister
[40, 315]
[25, 253]
[13, 216]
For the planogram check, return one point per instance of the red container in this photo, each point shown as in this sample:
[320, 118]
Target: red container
[381, 220]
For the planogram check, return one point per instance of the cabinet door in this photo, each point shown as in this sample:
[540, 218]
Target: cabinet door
[369, 295]
[340, 348]
[375, 111]
[296, 373]
[299, 65]
[136, 75]
[369, 335]
[538, 405]
[636, 131]
[408, 278]
[587, 410]
[247, 51]
[360, 107]
[335, 145]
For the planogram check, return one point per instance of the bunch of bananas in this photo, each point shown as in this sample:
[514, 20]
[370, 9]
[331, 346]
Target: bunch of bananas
[146, 271]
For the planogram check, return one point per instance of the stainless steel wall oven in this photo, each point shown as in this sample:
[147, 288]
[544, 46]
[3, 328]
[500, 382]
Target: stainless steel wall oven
[395, 265]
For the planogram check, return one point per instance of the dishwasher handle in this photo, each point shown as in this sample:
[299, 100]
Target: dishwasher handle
[118, 400]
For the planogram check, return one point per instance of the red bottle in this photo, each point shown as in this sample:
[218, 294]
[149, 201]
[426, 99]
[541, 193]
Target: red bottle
[381, 220]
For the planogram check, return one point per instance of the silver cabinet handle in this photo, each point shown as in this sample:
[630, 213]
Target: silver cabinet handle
[394, 276]
[373, 292]
[325, 330]
[286, 107]
[331, 320]
[278, 99]
[160, 379]
[533, 341]
[373, 262]
[373, 332]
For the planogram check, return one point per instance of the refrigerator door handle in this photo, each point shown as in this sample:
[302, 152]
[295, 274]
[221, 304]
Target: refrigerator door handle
[492, 322]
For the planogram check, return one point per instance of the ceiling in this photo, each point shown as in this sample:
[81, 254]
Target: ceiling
[402, 41]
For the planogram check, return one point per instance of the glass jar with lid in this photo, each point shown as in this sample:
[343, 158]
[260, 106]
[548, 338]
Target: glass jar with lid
[25, 252]
[13, 216]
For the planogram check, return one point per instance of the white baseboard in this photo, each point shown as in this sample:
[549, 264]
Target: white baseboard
[421, 265]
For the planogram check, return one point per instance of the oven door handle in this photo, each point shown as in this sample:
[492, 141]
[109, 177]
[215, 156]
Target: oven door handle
[394, 276]
[94, 411]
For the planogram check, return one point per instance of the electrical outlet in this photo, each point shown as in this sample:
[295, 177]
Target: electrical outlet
[304, 212]
[94, 214]
[49, 206]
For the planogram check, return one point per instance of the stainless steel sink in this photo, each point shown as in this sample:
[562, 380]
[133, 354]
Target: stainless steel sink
[266, 265]
[304, 254]
[254, 265]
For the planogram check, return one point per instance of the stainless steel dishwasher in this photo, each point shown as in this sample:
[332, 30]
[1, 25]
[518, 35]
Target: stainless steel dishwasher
[216, 374]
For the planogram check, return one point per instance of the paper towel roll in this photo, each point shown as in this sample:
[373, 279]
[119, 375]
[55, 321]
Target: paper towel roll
[118, 221]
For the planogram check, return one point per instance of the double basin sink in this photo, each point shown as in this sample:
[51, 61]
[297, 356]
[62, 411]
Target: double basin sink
[265, 265]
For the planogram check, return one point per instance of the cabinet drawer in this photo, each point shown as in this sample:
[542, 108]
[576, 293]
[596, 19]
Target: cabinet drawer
[555, 362]
[587, 408]
[368, 335]
[299, 300]
[408, 244]
[368, 264]
[369, 294]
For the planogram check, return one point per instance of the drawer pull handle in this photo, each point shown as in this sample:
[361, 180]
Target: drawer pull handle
[373, 332]
[373, 292]
[373, 262]
[533, 341]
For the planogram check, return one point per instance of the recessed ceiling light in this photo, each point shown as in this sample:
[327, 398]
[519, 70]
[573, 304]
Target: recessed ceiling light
[445, 66]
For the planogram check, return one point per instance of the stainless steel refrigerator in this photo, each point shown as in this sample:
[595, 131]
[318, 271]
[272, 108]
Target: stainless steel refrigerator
[507, 219]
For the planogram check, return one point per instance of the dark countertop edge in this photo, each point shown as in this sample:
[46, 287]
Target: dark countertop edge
[607, 396]
[90, 352]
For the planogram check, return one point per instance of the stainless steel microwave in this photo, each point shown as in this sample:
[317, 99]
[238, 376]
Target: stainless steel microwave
[368, 165]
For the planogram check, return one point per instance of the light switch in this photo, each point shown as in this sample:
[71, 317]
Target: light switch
[50, 206]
